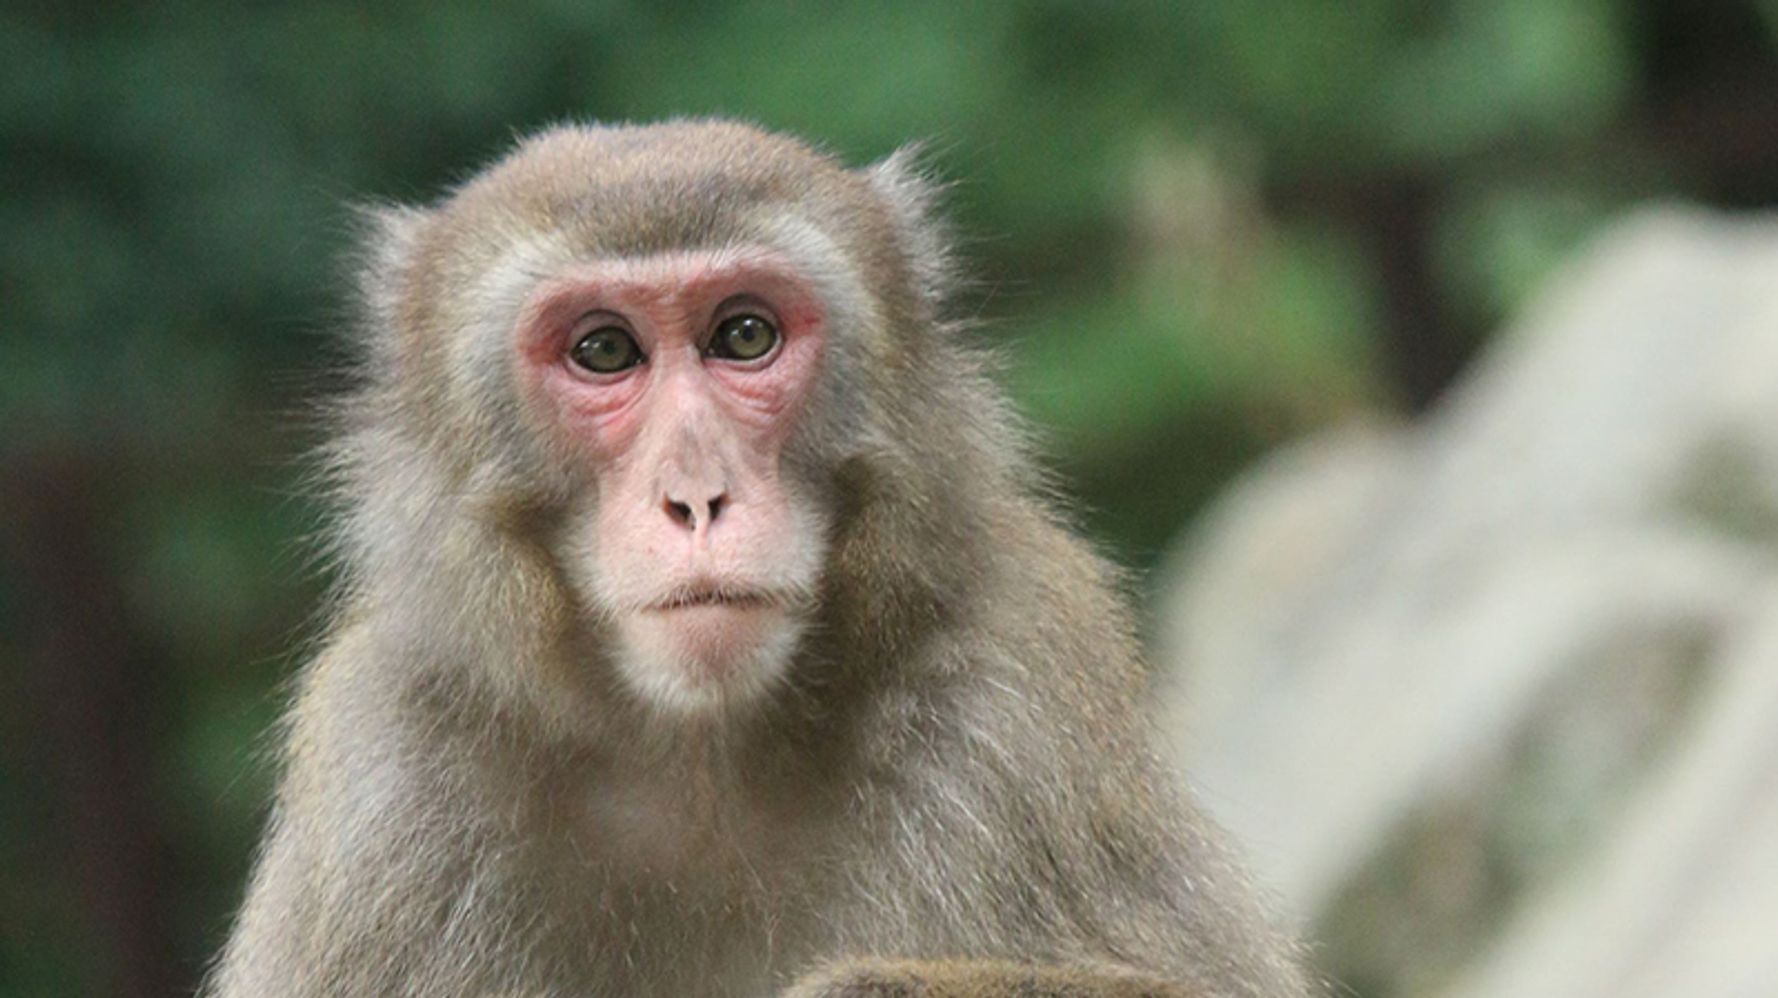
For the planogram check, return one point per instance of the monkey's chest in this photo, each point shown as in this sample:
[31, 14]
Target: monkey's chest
[680, 940]
[666, 895]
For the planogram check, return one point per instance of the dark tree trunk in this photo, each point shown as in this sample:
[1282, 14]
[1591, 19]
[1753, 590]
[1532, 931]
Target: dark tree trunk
[88, 701]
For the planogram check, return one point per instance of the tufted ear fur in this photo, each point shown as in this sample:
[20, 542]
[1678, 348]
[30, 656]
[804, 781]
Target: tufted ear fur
[388, 241]
[911, 195]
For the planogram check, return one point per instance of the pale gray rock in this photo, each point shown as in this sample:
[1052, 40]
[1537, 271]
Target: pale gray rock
[1483, 696]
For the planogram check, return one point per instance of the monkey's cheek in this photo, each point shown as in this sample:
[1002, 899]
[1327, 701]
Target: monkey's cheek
[707, 657]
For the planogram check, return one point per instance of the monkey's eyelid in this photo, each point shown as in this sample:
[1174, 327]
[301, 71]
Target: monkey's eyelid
[745, 301]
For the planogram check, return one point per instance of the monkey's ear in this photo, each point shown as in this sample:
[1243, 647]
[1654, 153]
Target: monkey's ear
[388, 242]
[911, 194]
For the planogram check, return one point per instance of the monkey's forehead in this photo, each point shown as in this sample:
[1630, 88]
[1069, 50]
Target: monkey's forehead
[636, 189]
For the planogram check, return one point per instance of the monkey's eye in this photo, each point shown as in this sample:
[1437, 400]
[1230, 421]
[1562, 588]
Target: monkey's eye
[606, 350]
[743, 337]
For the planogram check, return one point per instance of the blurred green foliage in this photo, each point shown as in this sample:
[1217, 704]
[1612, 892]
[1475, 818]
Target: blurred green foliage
[1186, 222]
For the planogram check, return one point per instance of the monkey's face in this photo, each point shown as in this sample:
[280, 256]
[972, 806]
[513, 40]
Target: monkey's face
[675, 383]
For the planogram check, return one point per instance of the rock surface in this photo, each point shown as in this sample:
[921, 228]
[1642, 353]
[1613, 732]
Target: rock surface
[1493, 699]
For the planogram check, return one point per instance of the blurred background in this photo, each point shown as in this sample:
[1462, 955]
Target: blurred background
[1450, 613]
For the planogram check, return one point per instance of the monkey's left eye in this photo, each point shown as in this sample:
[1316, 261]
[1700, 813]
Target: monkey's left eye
[743, 337]
[606, 350]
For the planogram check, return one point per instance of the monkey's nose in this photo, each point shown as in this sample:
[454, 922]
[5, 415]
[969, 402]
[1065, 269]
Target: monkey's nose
[693, 516]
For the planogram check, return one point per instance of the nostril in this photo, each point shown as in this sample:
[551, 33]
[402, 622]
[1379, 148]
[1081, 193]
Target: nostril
[686, 515]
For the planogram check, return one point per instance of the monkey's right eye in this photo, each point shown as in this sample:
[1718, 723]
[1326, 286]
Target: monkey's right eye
[606, 350]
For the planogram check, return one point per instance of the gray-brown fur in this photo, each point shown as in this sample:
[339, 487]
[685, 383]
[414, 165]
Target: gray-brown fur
[957, 770]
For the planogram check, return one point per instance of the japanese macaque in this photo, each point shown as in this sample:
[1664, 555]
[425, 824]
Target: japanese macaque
[702, 627]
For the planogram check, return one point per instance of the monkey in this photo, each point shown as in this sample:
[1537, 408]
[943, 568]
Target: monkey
[704, 624]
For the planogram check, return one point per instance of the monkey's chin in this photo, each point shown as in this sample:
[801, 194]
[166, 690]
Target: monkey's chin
[707, 658]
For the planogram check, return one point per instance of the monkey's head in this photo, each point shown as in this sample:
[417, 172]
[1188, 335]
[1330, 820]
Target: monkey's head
[648, 355]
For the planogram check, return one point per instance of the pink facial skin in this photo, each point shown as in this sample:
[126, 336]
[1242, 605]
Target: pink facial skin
[698, 552]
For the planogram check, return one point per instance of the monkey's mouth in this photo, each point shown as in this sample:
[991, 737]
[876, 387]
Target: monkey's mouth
[718, 596]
